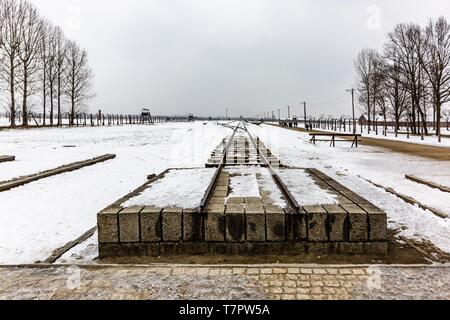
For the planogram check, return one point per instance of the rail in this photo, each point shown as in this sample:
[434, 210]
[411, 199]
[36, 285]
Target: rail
[212, 185]
[284, 189]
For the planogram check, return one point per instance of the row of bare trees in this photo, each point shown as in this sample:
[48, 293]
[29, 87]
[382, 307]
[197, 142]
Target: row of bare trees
[410, 79]
[39, 67]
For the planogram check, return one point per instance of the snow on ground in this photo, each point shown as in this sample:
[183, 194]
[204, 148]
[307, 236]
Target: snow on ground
[183, 189]
[84, 253]
[39, 217]
[260, 179]
[352, 166]
[304, 189]
[244, 185]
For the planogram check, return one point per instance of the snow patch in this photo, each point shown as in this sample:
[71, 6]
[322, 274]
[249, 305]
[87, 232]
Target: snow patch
[304, 189]
[179, 188]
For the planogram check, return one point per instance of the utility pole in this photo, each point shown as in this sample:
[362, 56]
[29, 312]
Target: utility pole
[304, 111]
[289, 112]
[279, 115]
[352, 91]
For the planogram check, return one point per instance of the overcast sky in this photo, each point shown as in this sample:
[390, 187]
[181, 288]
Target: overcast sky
[251, 56]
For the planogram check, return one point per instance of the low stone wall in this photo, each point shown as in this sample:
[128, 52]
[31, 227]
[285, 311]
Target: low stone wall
[245, 229]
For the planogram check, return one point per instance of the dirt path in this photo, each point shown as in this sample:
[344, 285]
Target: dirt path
[433, 152]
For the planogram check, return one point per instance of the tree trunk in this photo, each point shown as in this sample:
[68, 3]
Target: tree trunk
[24, 101]
[438, 121]
[59, 101]
[72, 115]
[44, 96]
[51, 104]
[13, 97]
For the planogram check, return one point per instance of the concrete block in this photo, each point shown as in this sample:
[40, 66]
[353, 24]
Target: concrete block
[377, 226]
[317, 223]
[267, 201]
[192, 225]
[352, 208]
[118, 250]
[358, 227]
[151, 224]
[217, 200]
[276, 248]
[258, 249]
[235, 222]
[129, 224]
[337, 223]
[218, 208]
[219, 248]
[296, 226]
[376, 248]
[222, 182]
[370, 208]
[108, 225]
[193, 248]
[275, 224]
[256, 223]
[172, 219]
[253, 201]
[318, 248]
[341, 199]
[171, 248]
[222, 188]
[220, 193]
[347, 248]
[237, 200]
[358, 223]
[354, 197]
[215, 224]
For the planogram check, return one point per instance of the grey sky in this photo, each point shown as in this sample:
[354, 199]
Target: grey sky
[252, 56]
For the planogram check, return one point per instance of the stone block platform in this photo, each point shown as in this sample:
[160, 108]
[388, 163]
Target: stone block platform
[246, 226]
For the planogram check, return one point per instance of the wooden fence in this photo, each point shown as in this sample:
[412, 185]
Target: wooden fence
[85, 119]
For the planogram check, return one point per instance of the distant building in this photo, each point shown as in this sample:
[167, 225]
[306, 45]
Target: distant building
[362, 120]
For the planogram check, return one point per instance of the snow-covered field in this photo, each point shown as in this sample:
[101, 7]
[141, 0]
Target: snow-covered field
[352, 167]
[39, 217]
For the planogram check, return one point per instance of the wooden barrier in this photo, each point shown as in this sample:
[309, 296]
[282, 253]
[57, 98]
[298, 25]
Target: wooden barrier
[8, 185]
[7, 158]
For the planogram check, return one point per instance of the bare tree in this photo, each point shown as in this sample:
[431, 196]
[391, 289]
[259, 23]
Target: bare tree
[404, 48]
[79, 78]
[396, 93]
[30, 35]
[12, 13]
[446, 116]
[364, 66]
[435, 59]
[44, 62]
[51, 70]
[60, 64]
[377, 79]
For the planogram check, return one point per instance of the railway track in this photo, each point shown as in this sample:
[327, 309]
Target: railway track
[248, 208]
[242, 149]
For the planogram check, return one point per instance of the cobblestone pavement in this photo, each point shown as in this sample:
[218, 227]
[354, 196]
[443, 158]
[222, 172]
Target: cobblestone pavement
[224, 282]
